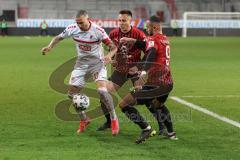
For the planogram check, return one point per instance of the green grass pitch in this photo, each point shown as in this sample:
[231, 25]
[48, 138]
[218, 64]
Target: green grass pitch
[29, 128]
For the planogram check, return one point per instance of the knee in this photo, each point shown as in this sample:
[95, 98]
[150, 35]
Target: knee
[121, 105]
[125, 103]
[72, 90]
[112, 87]
[102, 89]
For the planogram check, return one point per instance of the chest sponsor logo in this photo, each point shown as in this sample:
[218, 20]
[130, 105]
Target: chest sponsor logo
[84, 47]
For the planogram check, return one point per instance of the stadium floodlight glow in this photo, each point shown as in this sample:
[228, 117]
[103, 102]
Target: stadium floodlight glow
[210, 20]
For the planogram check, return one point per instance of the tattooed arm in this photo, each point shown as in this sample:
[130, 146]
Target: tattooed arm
[111, 53]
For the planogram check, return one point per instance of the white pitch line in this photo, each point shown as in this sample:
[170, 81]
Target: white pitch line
[216, 96]
[210, 113]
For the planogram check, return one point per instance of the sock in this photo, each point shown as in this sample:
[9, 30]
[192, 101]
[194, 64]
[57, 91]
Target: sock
[156, 114]
[166, 118]
[133, 114]
[83, 115]
[148, 128]
[106, 113]
[106, 98]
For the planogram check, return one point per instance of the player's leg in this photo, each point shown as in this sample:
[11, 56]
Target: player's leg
[116, 80]
[111, 87]
[77, 82]
[132, 113]
[164, 115]
[107, 100]
[154, 112]
[161, 93]
[150, 106]
[100, 76]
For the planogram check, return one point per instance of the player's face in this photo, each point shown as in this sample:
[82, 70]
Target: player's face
[150, 28]
[83, 22]
[124, 21]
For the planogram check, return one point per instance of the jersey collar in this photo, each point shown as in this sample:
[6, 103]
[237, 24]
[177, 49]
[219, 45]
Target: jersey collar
[126, 32]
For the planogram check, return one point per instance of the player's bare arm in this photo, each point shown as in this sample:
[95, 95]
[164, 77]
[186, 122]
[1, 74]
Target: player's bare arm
[112, 52]
[53, 42]
[151, 55]
[141, 80]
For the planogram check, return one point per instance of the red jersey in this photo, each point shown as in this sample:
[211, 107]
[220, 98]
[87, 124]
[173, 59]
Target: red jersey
[159, 72]
[126, 54]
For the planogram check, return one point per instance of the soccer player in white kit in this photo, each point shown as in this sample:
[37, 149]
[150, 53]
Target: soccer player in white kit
[90, 62]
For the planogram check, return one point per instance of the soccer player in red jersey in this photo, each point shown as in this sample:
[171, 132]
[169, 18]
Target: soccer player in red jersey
[155, 80]
[125, 57]
[127, 54]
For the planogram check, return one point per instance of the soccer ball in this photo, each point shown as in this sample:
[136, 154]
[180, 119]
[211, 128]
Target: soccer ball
[81, 101]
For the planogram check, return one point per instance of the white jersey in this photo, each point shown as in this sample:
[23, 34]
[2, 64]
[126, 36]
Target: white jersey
[88, 43]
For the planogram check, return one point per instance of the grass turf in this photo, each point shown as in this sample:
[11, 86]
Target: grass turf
[30, 129]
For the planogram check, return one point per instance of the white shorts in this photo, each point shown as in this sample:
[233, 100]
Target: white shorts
[81, 74]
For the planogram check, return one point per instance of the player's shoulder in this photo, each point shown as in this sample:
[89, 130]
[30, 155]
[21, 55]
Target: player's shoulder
[150, 38]
[115, 30]
[113, 33]
[163, 39]
[97, 28]
[138, 31]
[160, 38]
[72, 26]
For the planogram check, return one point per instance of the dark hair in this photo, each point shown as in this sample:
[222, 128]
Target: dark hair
[128, 12]
[154, 19]
[81, 13]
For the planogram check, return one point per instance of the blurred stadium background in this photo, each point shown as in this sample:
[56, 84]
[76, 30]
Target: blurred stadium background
[24, 14]
[205, 70]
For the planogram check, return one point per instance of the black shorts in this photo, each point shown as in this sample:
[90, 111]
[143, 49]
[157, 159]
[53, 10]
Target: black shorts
[120, 78]
[149, 93]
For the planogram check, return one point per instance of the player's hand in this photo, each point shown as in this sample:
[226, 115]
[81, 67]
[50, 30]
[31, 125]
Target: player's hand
[141, 81]
[45, 50]
[107, 59]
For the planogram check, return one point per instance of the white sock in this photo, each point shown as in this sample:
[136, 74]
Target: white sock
[83, 115]
[148, 128]
[113, 115]
[171, 133]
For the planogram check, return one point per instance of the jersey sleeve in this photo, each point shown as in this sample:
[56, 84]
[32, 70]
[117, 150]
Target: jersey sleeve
[142, 35]
[151, 43]
[66, 33]
[111, 35]
[102, 35]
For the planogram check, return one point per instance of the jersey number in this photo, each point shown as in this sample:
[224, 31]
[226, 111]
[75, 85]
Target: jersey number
[167, 55]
